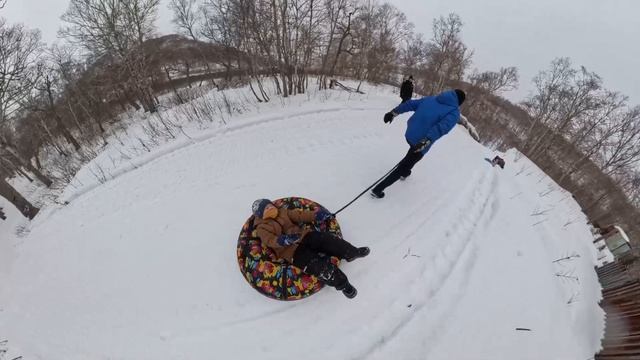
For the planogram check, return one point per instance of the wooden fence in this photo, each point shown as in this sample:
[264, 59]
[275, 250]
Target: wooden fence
[621, 303]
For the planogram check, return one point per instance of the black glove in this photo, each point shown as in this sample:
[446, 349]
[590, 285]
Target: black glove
[388, 117]
[421, 146]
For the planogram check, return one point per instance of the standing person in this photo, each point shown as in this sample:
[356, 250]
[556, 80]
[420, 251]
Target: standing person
[406, 90]
[434, 117]
[280, 229]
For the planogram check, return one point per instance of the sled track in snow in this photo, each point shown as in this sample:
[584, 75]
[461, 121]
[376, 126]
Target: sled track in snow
[457, 256]
[462, 254]
[229, 152]
[171, 150]
[148, 267]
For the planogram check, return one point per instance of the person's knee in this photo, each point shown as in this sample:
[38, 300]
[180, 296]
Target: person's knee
[334, 277]
[414, 160]
[327, 272]
[313, 239]
[404, 168]
[417, 157]
[303, 256]
[340, 280]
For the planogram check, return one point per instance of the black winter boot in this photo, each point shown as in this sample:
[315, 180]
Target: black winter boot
[330, 275]
[349, 291]
[377, 194]
[360, 253]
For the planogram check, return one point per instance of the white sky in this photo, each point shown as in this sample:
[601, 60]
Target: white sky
[601, 35]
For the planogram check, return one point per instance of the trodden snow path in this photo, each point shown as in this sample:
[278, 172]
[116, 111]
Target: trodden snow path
[144, 266]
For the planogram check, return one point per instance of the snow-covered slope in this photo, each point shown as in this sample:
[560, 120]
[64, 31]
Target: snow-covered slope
[144, 267]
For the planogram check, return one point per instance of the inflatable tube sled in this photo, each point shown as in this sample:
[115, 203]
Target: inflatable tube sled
[272, 276]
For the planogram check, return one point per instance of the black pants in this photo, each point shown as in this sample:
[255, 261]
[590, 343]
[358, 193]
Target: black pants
[405, 99]
[403, 169]
[307, 257]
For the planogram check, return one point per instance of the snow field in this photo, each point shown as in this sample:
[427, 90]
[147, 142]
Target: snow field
[143, 266]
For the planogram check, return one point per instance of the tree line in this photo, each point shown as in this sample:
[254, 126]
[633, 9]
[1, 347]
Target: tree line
[63, 98]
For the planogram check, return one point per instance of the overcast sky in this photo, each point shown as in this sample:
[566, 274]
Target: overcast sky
[602, 35]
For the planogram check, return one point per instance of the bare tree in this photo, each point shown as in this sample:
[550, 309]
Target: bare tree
[448, 57]
[391, 27]
[634, 187]
[623, 151]
[345, 32]
[288, 39]
[236, 27]
[505, 79]
[48, 91]
[21, 49]
[109, 27]
[116, 30]
[563, 95]
[593, 132]
[294, 24]
[278, 36]
[186, 17]
[335, 12]
[376, 43]
[414, 54]
[490, 83]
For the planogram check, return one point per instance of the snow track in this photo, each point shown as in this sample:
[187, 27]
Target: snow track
[143, 266]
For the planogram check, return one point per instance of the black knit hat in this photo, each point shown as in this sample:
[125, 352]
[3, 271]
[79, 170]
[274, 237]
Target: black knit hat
[461, 96]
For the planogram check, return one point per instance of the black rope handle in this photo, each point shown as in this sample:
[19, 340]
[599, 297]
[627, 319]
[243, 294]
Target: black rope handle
[365, 190]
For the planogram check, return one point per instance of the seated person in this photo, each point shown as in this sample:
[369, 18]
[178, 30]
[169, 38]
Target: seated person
[280, 229]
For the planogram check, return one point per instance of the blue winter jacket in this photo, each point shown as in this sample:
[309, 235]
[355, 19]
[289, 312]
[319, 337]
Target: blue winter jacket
[434, 117]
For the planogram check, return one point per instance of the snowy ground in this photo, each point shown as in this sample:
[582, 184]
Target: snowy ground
[143, 265]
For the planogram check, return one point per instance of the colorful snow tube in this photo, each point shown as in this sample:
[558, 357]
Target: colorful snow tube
[270, 275]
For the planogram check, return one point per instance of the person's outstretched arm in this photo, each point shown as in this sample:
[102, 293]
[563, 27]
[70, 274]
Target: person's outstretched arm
[308, 216]
[472, 129]
[410, 105]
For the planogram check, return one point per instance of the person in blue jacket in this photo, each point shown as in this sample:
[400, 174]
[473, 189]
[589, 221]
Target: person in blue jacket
[433, 117]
